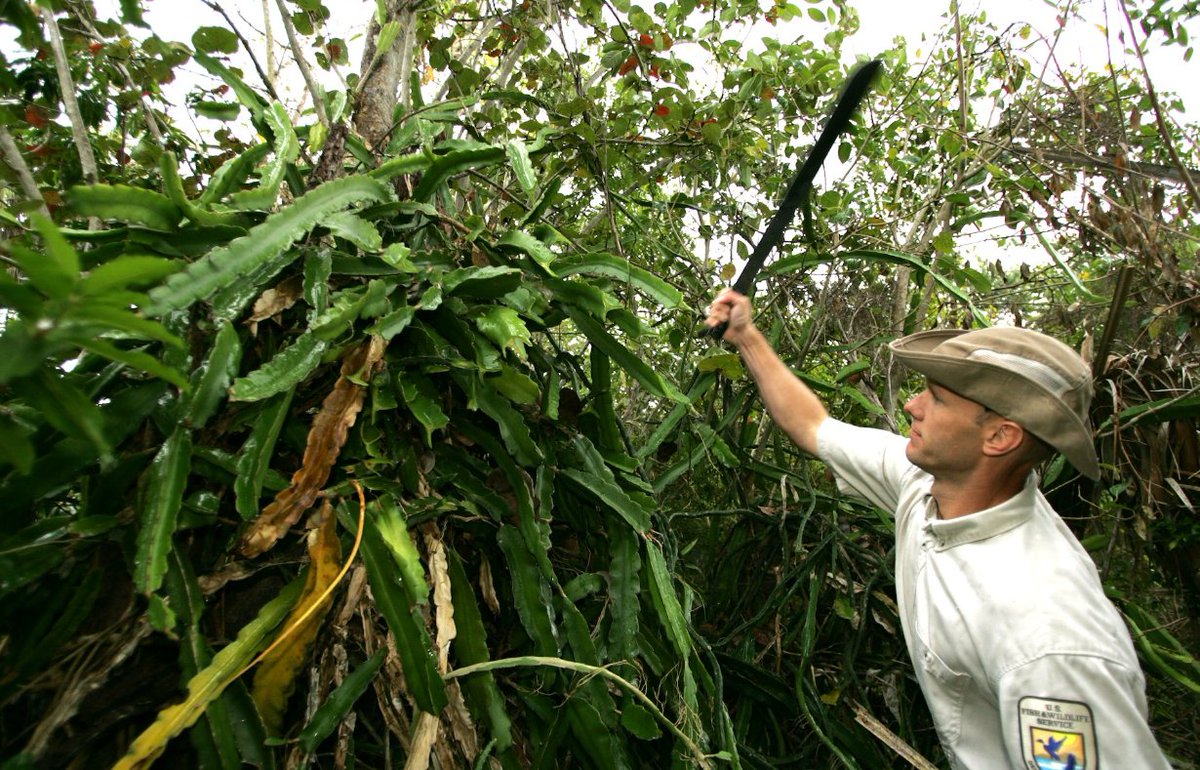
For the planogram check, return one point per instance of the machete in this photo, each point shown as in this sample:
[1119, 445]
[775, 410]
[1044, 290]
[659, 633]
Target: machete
[797, 194]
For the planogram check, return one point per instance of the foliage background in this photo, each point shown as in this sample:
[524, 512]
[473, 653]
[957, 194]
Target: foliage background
[462, 275]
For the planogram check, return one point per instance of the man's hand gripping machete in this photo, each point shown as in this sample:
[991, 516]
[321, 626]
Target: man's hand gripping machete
[797, 194]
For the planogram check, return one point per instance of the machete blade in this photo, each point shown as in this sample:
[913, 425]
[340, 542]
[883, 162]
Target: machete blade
[797, 193]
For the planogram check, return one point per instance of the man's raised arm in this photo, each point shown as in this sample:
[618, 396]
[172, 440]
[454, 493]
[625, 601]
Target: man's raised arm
[791, 404]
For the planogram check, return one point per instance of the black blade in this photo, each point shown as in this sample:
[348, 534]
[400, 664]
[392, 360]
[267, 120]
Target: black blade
[852, 95]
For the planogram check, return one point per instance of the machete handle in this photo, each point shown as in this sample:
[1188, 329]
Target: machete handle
[716, 332]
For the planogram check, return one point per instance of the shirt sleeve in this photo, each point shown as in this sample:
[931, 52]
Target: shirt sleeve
[868, 463]
[1088, 707]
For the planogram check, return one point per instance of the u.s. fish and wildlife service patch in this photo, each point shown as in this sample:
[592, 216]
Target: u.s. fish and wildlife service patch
[1057, 735]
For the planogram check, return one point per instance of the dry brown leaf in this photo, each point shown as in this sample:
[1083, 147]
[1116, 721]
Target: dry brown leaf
[325, 439]
[275, 300]
[893, 741]
[424, 736]
[462, 727]
[439, 575]
[276, 676]
[487, 586]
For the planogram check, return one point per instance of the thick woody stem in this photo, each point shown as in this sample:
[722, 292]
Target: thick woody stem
[67, 87]
[151, 121]
[294, 42]
[15, 161]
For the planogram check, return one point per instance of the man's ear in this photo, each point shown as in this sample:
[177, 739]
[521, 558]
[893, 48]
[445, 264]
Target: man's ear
[1001, 437]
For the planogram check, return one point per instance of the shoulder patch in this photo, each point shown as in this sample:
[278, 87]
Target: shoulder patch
[1057, 735]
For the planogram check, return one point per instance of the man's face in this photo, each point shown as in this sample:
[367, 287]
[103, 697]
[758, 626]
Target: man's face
[946, 437]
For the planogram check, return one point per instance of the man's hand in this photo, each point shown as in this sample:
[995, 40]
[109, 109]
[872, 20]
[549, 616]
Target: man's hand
[732, 309]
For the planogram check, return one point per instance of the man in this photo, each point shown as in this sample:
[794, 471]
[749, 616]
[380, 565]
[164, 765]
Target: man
[1023, 660]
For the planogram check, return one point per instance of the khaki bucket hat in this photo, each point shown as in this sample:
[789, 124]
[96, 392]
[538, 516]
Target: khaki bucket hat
[1030, 378]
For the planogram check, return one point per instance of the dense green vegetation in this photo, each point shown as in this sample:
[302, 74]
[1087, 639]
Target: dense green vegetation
[400, 383]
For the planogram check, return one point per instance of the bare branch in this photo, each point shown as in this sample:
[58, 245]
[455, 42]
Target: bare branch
[266, 78]
[1159, 119]
[66, 85]
[15, 161]
[313, 88]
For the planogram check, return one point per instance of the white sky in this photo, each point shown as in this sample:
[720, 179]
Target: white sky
[918, 21]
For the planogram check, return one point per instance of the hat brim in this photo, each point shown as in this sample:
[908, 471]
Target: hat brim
[1004, 392]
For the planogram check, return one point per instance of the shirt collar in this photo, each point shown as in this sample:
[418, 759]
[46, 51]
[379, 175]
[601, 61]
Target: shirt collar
[989, 522]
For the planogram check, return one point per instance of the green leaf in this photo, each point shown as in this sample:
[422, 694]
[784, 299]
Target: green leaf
[42, 272]
[341, 700]
[173, 189]
[412, 640]
[518, 158]
[515, 386]
[211, 379]
[110, 318]
[394, 322]
[596, 479]
[355, 229]
[393, 529]
[282, 372]
[135, 358]
[287, 150]
[624, 588]
[728, 364]
[623, 357]
[58, 251]
[125, 272]
[245, 94]
[489, 282]
[640, 722]
[470, 647]
[66, 408]
[168, 475]
[254, 459]
[531, 593]
[215, 40]
[514, 427]
[503, 326]
[521, 241]
[122, 203]
[456, 162]
[228, 264]
[404, 164]
[15, 446]
[223, 111]
[599, 263]
[232, 174]
[420, 398]
[670, 612]
[318, 266]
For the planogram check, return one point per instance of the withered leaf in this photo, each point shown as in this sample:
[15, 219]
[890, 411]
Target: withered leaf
[275, 300]
[275, 678]
[325, 439]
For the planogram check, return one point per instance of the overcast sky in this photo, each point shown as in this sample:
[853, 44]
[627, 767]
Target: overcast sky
[918, 21]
